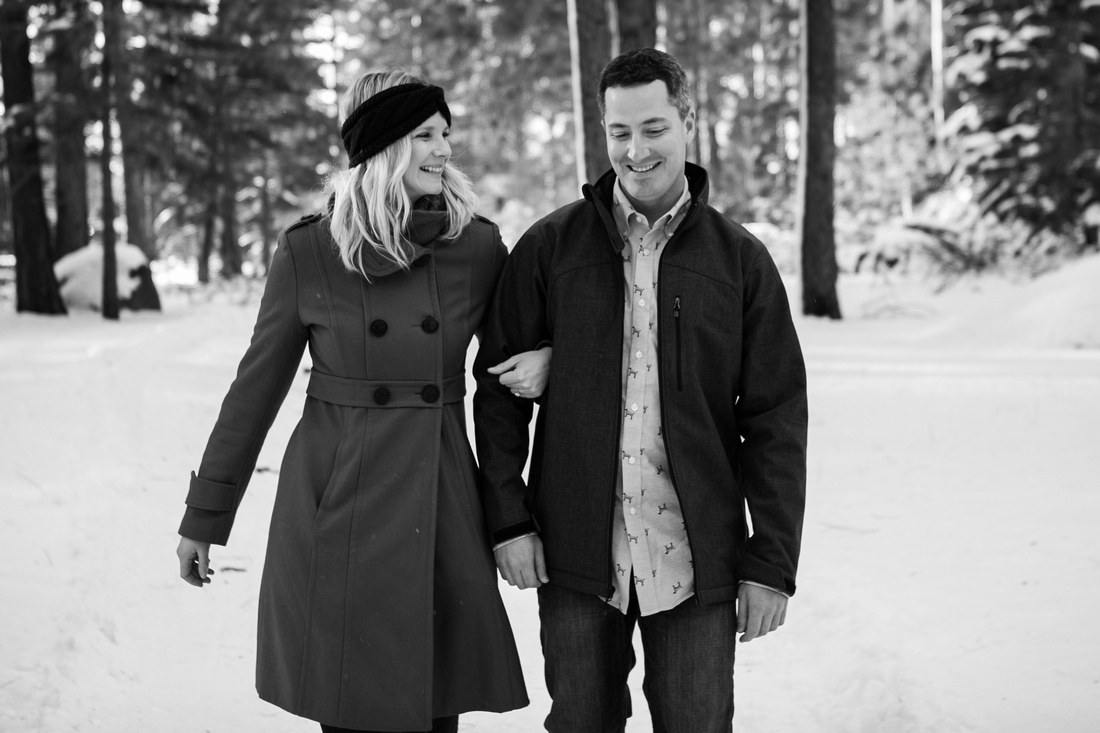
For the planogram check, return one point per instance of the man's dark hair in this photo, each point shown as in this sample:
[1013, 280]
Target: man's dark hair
[643, 66]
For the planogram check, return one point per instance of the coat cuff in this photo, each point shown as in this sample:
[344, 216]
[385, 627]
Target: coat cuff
[203, 525]
[211, 495]
[211, 509]
[758, 572]
[515, 531]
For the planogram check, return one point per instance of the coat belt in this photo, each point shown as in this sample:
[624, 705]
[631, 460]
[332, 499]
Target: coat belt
[385, 392]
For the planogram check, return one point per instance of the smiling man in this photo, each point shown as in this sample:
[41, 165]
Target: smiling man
[677, 397]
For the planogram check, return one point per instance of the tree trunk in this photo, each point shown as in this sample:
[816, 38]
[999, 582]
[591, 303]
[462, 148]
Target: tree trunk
[590, 50]
[938, 83]
[691, 45]
[6, 239]
[207, 239]
[70, 116]
[1066, 127]
[36, 287]
[130, 137]
[111, 11]
[818, 152]
[637, 24]
[266, 225]
[230, 249]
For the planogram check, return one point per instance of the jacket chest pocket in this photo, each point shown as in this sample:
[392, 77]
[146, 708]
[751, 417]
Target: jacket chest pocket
[704, 339]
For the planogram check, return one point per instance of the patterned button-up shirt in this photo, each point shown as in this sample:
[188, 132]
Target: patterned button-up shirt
[649, 540]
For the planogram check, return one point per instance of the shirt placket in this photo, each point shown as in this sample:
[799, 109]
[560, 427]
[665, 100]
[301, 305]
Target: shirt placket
[637, 408]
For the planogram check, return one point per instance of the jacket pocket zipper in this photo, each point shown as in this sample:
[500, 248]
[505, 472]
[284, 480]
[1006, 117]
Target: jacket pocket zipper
[679, 356]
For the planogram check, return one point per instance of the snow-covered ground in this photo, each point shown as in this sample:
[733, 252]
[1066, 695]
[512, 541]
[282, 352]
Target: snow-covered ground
[950, 578]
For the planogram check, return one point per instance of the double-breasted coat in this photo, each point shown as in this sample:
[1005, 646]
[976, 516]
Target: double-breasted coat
[378, 603]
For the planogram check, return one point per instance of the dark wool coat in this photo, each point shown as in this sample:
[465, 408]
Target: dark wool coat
[378, 605]
[732, 389]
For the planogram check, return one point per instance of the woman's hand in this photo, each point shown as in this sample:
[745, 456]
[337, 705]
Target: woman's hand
[194, 561]
[525, 374]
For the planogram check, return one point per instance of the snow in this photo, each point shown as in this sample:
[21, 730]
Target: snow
[80, 274]
[949, 572]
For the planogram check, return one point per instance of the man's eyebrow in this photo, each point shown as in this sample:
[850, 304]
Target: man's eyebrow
[650, 121]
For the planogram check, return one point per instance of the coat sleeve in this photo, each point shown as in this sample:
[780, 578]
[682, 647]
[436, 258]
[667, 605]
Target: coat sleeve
[516, 323]
[772, 418]
[263, 379]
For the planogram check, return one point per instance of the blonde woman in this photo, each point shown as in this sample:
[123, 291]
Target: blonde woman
[378, 605]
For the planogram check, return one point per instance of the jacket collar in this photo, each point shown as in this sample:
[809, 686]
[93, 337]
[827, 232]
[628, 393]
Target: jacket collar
[601, 196]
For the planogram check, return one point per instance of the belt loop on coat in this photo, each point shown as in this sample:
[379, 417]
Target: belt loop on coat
[385, 392]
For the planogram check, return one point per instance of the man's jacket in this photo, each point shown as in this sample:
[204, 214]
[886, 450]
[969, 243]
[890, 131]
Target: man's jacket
[732, 385]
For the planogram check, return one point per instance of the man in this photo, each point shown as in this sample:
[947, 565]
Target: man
[677, 394]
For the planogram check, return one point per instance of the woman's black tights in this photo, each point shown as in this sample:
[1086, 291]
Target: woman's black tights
[439, 725]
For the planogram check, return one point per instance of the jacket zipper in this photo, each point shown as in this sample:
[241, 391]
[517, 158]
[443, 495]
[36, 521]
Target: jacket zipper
[616, 502]
[666, 437]
[679, 355]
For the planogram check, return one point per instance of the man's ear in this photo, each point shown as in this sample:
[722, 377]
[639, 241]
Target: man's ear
[689, 124]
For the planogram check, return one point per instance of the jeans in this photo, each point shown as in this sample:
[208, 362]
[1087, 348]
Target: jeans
[448, 724]
[588, 650]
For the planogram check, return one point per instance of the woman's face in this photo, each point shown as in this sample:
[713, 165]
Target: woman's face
[430, 151]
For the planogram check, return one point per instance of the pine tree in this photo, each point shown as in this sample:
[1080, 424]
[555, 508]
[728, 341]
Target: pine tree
[36, 286]
[590, 44]
[819, 268]
[1028, 131]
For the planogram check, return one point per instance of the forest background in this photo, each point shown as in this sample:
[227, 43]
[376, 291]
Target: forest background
[965, 132]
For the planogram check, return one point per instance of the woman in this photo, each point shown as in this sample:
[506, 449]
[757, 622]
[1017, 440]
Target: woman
[378, 605]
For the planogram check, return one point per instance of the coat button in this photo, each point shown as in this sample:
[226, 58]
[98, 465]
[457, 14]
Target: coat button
[379, 327]
[381, 395]
[429, 324]
[430, 394]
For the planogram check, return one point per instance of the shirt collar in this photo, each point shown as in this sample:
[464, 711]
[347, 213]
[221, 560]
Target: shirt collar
[624, 211]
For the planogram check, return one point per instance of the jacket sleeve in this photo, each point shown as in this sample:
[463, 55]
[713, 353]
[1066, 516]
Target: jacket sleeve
[263, 379]
[516, 323]
[772, 418]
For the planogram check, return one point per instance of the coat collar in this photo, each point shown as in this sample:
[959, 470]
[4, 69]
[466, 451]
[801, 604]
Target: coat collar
[601, 195]
[427, 221]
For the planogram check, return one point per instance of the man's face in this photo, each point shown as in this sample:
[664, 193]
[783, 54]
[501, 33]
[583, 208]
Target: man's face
[647, 143]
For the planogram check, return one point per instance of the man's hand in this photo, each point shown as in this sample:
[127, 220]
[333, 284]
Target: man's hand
[522, 564]
[759, 611]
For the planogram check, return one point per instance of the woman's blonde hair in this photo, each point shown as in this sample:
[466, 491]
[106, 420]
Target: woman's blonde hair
[370, 204]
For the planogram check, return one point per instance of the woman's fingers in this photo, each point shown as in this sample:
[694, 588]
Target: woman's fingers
[504, 366]
[194, 558]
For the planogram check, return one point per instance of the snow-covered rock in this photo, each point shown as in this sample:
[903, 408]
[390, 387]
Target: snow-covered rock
[80, 274]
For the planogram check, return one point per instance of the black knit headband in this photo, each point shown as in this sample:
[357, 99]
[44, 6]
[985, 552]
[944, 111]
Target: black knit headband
[389, 116]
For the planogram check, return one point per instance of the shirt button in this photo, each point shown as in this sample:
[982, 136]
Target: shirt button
[637, 355]
[641, 301]
[645, 252]
[633, 510]
[632, 459]
[634, 407]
